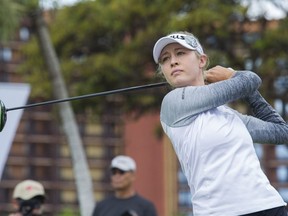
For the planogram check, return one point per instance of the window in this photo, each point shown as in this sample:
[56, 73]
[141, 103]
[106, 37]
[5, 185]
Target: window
[181, 177]
[24, 34]
[6, 54]
[284, 193]
[248, 64]
[282, 173]
[259, 150]
[184, 195]
[281, 152]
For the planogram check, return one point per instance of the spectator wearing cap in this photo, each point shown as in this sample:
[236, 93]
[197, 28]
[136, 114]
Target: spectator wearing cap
[125, 201]
[28, 198]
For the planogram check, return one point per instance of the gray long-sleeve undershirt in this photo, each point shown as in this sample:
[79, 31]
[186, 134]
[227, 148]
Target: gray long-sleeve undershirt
[181, 106]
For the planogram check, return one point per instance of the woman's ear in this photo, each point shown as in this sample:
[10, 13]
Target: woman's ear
[203, 61]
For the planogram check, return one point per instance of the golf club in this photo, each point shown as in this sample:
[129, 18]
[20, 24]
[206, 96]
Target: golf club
[4, 110]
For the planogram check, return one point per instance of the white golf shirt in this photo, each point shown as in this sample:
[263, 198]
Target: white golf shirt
[215, 147]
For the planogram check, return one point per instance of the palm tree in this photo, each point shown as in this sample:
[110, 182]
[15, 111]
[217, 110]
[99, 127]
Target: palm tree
[84, 183]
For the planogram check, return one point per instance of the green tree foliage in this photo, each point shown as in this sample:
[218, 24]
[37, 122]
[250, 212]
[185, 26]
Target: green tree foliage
[271, 50]
[105, 45]
[10, 13]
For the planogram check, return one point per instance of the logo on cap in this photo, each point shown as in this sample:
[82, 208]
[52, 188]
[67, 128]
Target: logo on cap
[188, 39]
[191, 41]
[181, 37]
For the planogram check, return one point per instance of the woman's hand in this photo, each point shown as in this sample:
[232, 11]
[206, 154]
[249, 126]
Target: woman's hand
[218, 73]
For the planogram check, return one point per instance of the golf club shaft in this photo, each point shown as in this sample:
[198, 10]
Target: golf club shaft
[116, 91]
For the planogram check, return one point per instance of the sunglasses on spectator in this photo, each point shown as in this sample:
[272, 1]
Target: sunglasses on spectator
[115, 171]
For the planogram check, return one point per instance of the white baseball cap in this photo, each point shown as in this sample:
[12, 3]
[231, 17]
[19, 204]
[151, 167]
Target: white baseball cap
[186, 40]
[124, 163]
[28, 189]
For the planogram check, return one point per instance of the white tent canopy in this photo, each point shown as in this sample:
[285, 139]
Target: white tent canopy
[12, 95]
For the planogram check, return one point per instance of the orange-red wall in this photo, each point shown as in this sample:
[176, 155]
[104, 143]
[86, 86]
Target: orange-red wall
[142, 144]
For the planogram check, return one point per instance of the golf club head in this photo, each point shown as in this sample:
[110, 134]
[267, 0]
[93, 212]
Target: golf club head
[3, 115]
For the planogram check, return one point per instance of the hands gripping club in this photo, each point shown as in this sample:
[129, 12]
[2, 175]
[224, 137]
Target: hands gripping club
[3, 115]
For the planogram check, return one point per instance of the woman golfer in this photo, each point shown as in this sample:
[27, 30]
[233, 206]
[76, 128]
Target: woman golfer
[213, 142]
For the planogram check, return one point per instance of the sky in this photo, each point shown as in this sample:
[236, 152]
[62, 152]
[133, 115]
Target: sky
[271, 11]
[49, 3]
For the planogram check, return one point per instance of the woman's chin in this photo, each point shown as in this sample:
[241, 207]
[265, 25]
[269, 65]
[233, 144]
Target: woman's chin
[179, 84]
